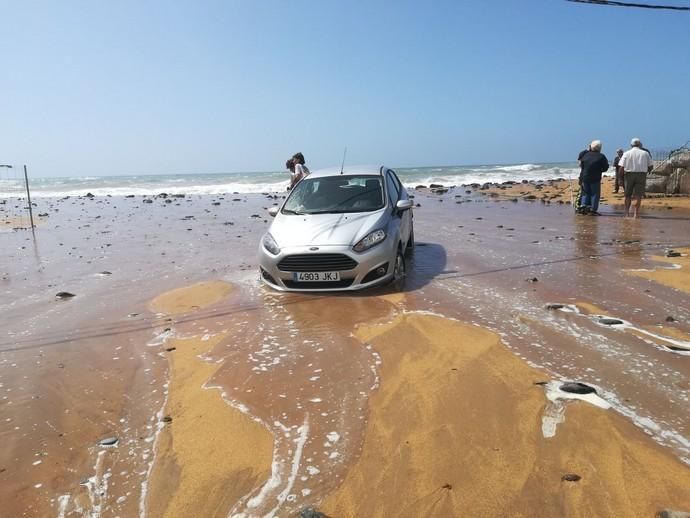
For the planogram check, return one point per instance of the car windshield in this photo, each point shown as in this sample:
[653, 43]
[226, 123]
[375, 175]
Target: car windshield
[335, 194]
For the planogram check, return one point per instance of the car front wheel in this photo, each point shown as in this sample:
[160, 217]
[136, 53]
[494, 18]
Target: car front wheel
[399, 271]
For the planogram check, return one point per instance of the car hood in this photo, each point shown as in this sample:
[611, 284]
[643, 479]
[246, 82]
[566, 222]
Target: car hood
[324, 229]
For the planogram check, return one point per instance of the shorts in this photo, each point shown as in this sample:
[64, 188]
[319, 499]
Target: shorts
[635, 184]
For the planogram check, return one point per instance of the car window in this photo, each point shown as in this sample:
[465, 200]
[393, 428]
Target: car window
[396, 180]
[393, 189]
[335, 194]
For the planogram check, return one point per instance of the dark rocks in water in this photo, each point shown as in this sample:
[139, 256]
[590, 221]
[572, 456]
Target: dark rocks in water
[65, 295]
[170, 349]
[478, 217]
[670, 319]
[167, 419]
[148, 200]
[163, 195]
[236, 199]
[440, 190]
[530, 197]
[255, 216]
[555, 306]
[179, 195]
[89, 195]
[215, 203]
[610, 321]
[417, 187]
[129, 196]
[43, 215]
[168, 201]
[435, 186]
[514, 200]
[542, 383]
[575, 387]
[672, 253]
[310, 512]
[571, 477]
[228, 223]
[533, 279]
[108, 441]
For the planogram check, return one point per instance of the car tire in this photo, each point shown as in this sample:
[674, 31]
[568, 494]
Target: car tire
[399, 271]
[409, 249]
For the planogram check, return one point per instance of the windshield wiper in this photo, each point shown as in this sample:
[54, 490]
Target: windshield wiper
[290, 211]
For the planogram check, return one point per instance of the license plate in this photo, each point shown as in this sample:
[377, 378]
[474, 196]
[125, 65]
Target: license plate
[316, 276]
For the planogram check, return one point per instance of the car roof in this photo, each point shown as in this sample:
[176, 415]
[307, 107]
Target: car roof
[348, 170]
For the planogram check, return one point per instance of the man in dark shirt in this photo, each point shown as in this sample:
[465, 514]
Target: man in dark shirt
[578, 196]
[618, 169]
[593, 163]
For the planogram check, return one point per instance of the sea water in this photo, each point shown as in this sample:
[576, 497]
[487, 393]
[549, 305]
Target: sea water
[275, 181]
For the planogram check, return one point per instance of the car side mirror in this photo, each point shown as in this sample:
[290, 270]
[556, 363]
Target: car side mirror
[403, 205]
[273, 211]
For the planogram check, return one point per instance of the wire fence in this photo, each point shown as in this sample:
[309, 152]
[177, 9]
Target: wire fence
[14, 204]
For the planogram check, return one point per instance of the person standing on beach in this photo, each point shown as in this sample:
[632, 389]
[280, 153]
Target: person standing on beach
[618, 169]
[635, 163]
[593, 163]
[578, 196]
[301, 170]
[290, 166]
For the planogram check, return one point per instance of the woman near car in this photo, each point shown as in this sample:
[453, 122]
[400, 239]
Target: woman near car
[297, 169]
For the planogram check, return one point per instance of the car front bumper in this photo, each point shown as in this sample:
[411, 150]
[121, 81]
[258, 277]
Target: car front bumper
[374, 266]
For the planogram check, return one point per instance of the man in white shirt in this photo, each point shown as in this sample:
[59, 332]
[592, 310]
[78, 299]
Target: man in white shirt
[635, 163]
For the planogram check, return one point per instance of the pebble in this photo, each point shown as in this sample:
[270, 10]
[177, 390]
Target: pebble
[571, 477]
[576, 387]
[108, 441]
[65, 295]
[610, 321]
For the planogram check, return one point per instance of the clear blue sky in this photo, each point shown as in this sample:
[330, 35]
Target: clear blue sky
[133, 87]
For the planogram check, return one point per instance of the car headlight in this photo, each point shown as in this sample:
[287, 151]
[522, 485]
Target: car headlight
[371, 239]
[270, 244]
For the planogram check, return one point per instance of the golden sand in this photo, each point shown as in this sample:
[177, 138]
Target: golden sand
[190, 298]
[455, 430]
[210, 455]
[674, 278]
[561, 191]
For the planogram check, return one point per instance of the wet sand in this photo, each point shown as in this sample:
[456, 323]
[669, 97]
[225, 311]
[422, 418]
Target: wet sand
[278, 402]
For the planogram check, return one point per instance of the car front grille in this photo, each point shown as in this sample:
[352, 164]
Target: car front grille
[325, 285]
[316, 263]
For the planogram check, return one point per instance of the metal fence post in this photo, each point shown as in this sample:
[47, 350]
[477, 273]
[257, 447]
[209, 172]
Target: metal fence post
[28, 197]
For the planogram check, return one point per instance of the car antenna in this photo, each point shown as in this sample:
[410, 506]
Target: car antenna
[343, 163]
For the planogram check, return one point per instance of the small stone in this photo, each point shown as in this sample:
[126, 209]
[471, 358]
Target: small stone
[310, 512]
[170, 349]
[670, 319]
[167, 419]
[672, 253]
[670, 513]
[555, 306]
[576, 387]
[105, 272]
[108, 441]
[533, 279]
[571, 477]
[610, 321]
[65, 295]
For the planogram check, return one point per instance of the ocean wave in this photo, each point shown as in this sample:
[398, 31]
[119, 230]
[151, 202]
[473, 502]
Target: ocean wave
[216, 184]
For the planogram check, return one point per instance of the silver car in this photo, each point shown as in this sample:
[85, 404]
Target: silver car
[339, 230]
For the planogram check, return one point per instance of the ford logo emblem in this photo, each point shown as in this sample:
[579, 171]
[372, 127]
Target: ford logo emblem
[313, 248]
